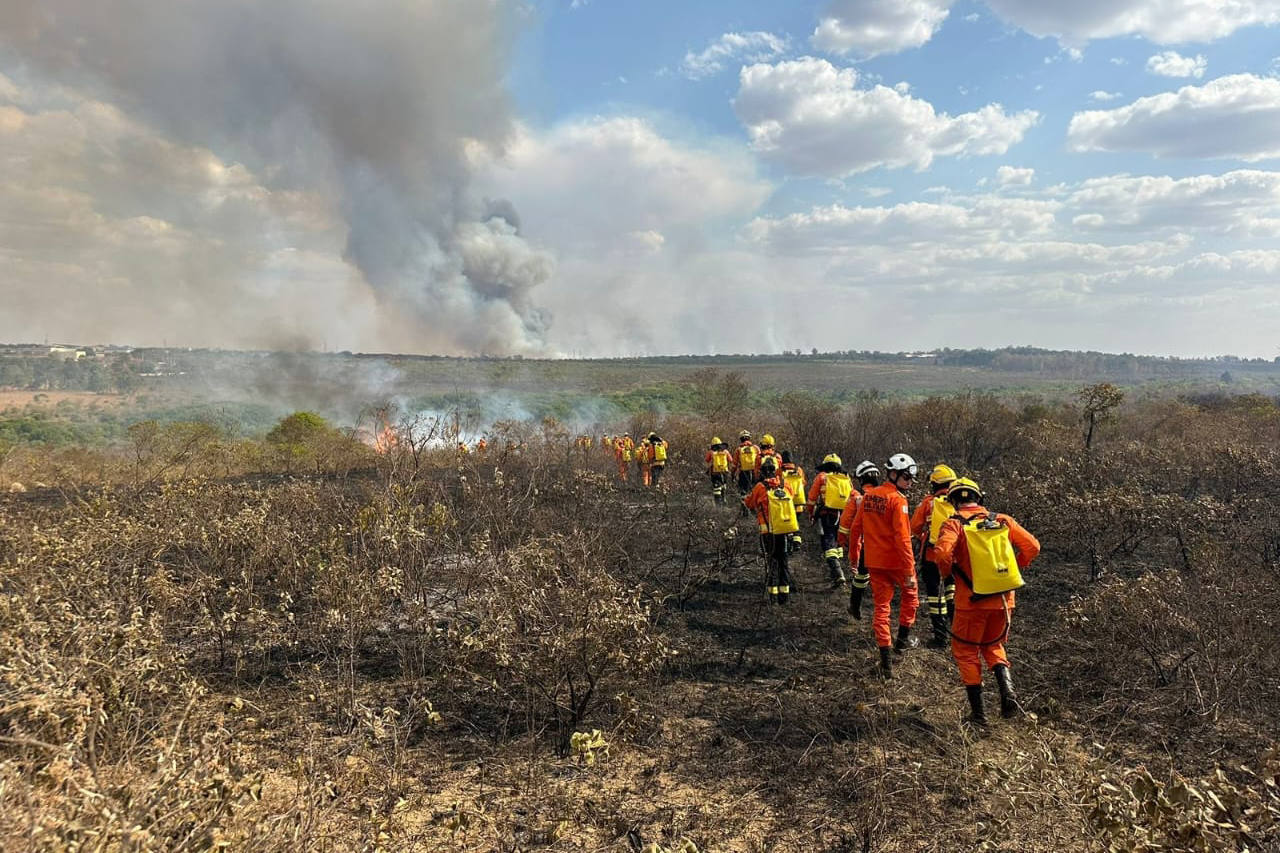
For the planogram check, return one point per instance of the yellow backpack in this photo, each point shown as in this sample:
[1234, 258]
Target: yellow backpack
[794, 481]
[720, 461]
[941, 511]
[747, 457]
[660, 451]
[992, 561]
[836, 491]
[782, 512]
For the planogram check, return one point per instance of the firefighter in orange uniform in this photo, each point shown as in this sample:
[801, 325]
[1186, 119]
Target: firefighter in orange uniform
[719, 463]
[744, 462]
[868, 476]
[482, 447]
[767, 451]
[794, 479]
[655, 459]
[981, 623]
[881, 530]
[622, 447]
[828, 496]
[925, 524]
[765, 500]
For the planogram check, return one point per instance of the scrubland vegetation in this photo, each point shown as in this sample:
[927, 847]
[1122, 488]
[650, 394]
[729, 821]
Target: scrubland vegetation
[292, 642]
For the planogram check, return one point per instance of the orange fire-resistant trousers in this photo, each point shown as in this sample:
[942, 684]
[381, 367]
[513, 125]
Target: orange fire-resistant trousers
[978, 626]
[622, 469]
[883, 582]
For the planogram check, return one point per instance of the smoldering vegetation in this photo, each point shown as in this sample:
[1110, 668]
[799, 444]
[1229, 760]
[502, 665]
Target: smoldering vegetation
[334, 648]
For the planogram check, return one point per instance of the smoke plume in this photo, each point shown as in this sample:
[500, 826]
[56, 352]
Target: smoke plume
[381, 104]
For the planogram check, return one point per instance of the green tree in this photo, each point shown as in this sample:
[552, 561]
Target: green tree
[1098, 403]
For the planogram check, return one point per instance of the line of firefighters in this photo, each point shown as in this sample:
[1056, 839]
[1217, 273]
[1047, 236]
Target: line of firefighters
[870, 523]
[649, 455]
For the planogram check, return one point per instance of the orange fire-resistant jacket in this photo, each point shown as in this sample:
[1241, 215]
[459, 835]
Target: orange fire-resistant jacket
[846, 518]
[758, 499]
[768, 453]
[882, 525]
[951, 549]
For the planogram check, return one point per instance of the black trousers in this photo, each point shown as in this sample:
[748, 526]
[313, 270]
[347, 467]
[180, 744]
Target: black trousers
[718, 482]
[829, 526]
[939, 595]
[778, 572]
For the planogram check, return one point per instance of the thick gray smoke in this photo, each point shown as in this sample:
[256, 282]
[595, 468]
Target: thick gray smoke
[381, 101]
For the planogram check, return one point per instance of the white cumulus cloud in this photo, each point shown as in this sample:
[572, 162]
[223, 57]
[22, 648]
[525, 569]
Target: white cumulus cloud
[1237, 116]
[1170, 63]
[732, 47]
[1242, 202]
[812, 118]
[1008, 176]
[871, 27]
[1161, 21]
[1102, 95]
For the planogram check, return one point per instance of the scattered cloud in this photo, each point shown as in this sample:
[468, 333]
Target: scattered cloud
[1237, 116]
[811, 118]
[869, 28]
[1161, 21]
[1101, 95]
[1008, 176]
[1244, 202]
[1173, 64]
[732, 48]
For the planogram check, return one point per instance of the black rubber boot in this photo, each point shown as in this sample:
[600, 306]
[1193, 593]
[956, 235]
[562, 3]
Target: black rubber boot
[1009, 706]
[977, 715]
[837, 576]
[855, 602]
[905, 640]
[939, 637]
[886, 664]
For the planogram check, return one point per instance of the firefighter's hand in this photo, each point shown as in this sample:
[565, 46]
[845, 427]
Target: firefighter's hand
[911, 581]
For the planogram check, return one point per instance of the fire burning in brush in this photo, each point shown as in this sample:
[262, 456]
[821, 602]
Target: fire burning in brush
[381, 436]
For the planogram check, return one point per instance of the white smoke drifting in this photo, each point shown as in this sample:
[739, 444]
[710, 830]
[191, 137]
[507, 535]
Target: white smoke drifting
[377, 104]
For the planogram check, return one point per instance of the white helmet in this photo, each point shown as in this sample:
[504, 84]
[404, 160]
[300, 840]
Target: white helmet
[902, 462]
[866, 467]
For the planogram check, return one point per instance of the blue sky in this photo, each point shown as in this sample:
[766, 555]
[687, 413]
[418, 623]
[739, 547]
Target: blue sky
[612, 177]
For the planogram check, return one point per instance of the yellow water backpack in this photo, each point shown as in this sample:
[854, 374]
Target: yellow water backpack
[836, 491]
[720, 461]
[793, 479]
[782, 512]
[992, 561]
[941, 511]
[747, 457]
[660, 452]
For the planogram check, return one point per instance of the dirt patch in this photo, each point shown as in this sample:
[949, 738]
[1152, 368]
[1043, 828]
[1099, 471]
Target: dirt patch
[49, 399]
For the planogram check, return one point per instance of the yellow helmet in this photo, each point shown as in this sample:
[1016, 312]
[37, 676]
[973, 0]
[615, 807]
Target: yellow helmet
[964, 490]
[942, 475]
[716, 441]
[766, 440]
[832, 458]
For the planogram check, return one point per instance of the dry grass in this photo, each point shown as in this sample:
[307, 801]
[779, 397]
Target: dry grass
[398, 658]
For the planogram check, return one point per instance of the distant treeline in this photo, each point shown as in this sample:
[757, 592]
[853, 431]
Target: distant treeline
[118, 372]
